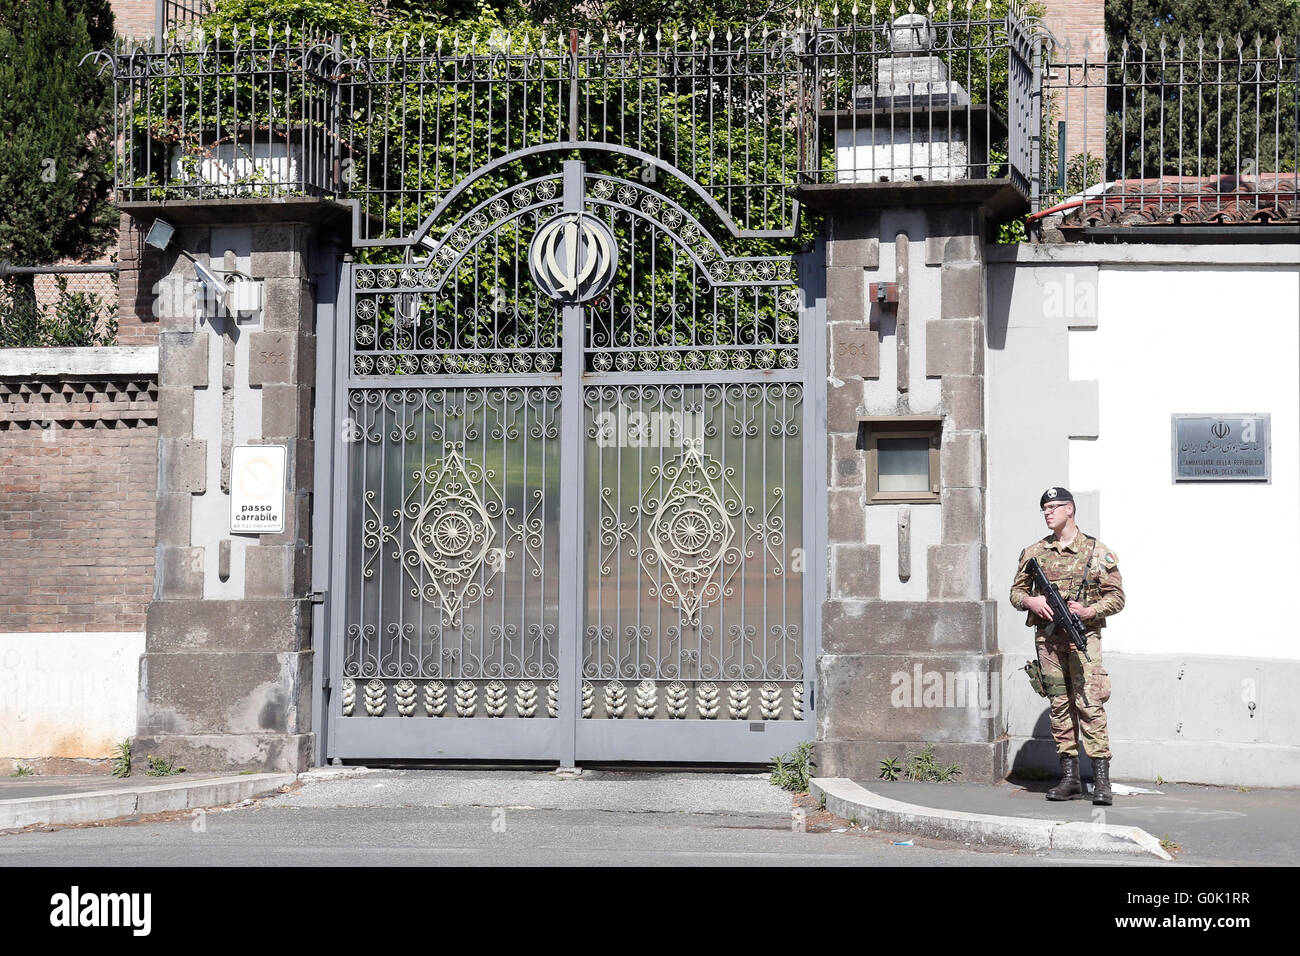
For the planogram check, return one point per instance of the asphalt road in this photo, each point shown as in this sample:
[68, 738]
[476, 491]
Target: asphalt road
[430, 818]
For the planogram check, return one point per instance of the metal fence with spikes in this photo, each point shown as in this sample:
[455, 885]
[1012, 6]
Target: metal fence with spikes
[747, 112]
[949, 92]
[1195, 130]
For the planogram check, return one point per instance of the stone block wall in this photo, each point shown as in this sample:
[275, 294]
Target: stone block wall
[909, 647]
[226, 678]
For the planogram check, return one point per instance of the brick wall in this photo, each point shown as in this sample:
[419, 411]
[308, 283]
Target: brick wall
[137, 320]
[1080, 28]
[133, 18]
[78, 482]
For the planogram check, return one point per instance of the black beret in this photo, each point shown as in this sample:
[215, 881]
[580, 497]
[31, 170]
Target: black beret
[1056, 495]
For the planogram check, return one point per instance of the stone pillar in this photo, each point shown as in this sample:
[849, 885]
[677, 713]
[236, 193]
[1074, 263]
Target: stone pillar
[909, 643]
[226, 677]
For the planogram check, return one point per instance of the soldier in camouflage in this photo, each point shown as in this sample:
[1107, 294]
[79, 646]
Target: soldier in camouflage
[1077, 689]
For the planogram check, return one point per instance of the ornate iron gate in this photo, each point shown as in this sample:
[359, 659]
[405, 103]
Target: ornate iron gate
[573, 453]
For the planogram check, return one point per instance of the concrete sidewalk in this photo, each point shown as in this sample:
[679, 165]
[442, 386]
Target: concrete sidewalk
[1198, 825]
[63, 800]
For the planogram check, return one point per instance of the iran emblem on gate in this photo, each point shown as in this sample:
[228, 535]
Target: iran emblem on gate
[573, 257]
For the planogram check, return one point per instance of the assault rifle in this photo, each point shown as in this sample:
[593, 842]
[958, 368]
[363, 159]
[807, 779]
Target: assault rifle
[1061, 614]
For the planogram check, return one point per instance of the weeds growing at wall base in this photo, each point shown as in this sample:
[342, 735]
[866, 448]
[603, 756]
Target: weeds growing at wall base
[792, 771]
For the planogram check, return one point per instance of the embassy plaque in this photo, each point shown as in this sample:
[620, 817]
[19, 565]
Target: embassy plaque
[1222, 448]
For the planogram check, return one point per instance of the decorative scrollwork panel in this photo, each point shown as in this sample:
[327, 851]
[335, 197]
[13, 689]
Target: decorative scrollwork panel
[454, 573]
[680, 300]
[470, 305]
[695, 570]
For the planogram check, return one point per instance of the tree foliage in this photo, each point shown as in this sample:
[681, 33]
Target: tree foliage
[1200, 108]
[55, 131]
[1131, 19]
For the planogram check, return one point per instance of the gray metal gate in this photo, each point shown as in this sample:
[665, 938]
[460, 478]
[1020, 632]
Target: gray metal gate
[572, 520]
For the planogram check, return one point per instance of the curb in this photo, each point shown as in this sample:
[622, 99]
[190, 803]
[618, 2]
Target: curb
[844, 798]
[157, 798]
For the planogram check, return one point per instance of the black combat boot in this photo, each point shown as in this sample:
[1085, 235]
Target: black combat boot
[1070, 786]
[1101, 795]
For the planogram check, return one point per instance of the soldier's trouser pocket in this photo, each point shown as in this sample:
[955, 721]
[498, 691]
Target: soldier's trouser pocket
[1098, 684]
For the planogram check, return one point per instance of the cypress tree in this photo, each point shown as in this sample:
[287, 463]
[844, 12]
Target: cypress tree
[56, 132]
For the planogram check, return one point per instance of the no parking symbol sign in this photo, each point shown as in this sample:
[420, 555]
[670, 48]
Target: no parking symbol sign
[257, 489]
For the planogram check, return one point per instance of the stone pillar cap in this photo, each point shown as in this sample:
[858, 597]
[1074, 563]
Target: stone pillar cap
[910, 33]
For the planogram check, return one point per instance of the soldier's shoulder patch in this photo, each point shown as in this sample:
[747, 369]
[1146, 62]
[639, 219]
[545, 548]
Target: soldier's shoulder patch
[1108, 558]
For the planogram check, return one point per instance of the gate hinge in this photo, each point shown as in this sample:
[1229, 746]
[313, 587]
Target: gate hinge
[317, 597]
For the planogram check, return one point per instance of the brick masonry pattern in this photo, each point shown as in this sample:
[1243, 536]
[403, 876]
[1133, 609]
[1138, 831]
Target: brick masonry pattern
[78, 481]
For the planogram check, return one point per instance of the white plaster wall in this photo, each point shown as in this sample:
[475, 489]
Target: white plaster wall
[1032, 407]
[1083, 395]
[1198, 559]
[67, 695]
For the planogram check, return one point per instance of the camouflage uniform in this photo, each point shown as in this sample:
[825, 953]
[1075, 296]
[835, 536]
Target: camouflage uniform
[1086, 683]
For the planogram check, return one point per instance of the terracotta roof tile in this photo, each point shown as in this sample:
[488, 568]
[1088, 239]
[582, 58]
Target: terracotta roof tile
[1186, 200]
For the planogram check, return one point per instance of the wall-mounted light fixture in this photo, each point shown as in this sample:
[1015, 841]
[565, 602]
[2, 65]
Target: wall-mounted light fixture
[231, 290]
[160, 234]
